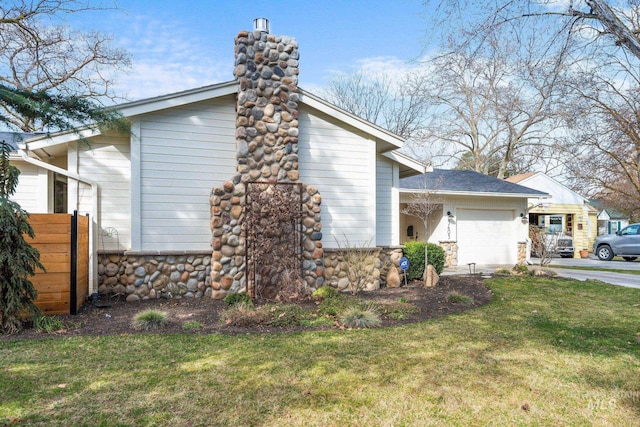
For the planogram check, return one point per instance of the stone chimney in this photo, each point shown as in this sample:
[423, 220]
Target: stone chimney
[267, 107]
[266, 68]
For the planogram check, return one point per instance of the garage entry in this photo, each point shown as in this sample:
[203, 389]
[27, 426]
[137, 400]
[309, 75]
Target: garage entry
[486, 236]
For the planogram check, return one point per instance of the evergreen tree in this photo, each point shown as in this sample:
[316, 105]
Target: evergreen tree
[18, 259]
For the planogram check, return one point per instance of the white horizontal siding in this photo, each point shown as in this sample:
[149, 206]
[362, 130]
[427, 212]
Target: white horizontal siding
[184, 152]
[31, 192]
[107, 161]
[384, 199]
[340, 162]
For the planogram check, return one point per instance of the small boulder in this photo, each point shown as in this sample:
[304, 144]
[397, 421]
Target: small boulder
[393, 277]
[431, 278]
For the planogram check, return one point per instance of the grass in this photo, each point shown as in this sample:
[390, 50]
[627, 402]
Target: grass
[543, 352]
[613, 270]
[47, 324]
[192, 325]
[150, 320]
[458, 298]
[360, 317]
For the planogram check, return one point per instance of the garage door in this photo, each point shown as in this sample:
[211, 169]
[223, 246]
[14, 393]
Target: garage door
[486, 237]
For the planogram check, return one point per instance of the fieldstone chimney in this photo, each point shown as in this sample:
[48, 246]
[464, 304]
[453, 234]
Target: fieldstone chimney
[266, 68]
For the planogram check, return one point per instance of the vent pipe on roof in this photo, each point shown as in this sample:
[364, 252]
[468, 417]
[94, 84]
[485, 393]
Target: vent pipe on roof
[261, 24]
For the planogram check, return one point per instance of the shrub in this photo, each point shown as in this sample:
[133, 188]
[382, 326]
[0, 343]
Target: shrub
[150, 320]
[326, 292]
[359, 260]
[245, 315]
[521, 269]
[238, 298]
[358, 317]
[458, 298]
[333, 306]
[286, 315]
[192, 325]
[414, 251]
[18, 259]
[47, 324]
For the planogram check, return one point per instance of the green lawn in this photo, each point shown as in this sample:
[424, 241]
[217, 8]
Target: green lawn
[612, 270]
[544, 352]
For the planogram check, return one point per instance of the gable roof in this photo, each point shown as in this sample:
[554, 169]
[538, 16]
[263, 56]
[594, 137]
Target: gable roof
[387, 141]
[520, 177]
[612, 213]
[465, 182]
[552, 185]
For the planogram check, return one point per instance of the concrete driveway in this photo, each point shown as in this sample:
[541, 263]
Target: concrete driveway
[620, 279]
[593, 261]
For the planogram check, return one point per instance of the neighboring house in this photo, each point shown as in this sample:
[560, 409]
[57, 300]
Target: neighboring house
[610, 220]
[478, 219]
[150, 195]
[565, 212]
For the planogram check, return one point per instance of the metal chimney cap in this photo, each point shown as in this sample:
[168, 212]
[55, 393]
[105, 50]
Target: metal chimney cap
[261, 24]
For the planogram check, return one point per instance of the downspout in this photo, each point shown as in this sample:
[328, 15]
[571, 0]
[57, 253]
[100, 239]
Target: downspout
[93, 261]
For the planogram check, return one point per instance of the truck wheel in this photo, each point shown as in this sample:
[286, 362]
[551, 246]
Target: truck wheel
[604, 253]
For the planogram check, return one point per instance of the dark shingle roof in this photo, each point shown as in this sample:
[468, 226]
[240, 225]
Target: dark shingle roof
[444, 180]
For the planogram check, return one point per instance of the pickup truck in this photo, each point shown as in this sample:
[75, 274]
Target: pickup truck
[556, 244]
[563, 245]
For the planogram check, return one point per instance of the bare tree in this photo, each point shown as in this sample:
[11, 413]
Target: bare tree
[423, 203]
[44, 64]
[599, 25]
[396, 105]
[543, 244]
[494, 106]
[603, 154]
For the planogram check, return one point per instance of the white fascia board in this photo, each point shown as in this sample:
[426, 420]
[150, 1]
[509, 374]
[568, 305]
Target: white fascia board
[178, 99]
[57, 139]
[471, 193]
[408, 162]
[584, 199]
[320, 104]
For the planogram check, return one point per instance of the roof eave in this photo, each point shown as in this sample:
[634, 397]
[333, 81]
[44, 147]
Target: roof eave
[408, 166]
[177, 99]
[394, 141]
[474, 193]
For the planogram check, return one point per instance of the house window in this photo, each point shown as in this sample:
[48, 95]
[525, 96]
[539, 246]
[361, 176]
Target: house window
[555, 224]
[59, 193]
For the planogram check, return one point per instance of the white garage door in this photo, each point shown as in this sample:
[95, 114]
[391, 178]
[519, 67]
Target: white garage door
[486, 237]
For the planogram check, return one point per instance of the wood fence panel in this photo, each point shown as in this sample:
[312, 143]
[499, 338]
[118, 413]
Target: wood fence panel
[82, 263]
[53, 239]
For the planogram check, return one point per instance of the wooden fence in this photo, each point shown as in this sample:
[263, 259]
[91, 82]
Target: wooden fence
[63, 242]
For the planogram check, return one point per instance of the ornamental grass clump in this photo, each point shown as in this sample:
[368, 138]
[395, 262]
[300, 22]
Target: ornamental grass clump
[150, 320]
[239, 299]
[458, 298]
[47, 324]
[359, 317]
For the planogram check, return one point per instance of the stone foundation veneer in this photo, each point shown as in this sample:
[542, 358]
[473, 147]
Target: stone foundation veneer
[266, 67]
[335, 273]
[450, 252]
[522, 253]
[150, 275]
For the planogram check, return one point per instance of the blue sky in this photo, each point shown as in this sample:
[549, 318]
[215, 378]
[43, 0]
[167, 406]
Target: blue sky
[177, 45]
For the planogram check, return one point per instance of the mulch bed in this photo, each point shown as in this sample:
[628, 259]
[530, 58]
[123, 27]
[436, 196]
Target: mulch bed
[116, 318]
